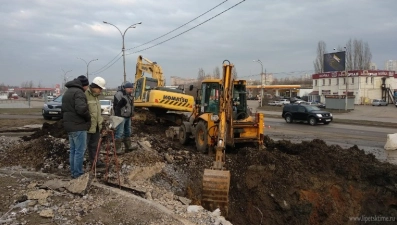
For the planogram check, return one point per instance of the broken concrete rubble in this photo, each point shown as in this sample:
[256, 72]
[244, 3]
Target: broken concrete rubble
[79, 185]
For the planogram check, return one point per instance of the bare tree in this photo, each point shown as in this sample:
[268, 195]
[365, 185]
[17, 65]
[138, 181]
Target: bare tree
[217, 73]
[358, 55]
[234, 73]
[319, 61]
[3, 87]
[201, 75]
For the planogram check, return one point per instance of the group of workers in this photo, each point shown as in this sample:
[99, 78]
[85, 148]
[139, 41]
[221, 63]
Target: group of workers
[82, 119]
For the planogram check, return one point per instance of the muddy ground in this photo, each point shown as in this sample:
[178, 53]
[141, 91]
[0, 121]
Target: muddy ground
[306, 183]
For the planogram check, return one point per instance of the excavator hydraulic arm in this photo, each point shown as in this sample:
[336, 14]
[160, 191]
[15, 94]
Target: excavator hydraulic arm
[216, 180]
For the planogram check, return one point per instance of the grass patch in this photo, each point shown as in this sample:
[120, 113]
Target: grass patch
[20, 111]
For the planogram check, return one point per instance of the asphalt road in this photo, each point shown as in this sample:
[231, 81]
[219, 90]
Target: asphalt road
[368, 138]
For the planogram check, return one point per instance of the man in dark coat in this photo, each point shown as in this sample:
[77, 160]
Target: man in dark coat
[123, 106]
[76, 121]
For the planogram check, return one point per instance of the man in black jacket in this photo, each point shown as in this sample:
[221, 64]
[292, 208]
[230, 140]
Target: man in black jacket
[123, 106]
[76, 121]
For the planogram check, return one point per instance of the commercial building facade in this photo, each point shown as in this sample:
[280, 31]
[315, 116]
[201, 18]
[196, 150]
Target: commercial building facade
[364, 85]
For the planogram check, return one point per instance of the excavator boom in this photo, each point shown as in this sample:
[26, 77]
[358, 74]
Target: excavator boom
[216, 180]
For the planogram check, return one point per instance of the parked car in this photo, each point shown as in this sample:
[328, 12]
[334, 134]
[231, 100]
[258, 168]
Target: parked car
[53, 108]
[275, 103]
[106, 107]
[306, 113]
[379, 102]
[285, 101]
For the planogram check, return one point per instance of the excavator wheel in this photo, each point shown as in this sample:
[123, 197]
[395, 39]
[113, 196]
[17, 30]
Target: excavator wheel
[215, 193]
[202, 137]
[183, 135]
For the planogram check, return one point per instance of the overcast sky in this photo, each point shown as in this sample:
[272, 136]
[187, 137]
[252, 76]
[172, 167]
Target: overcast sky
[40, 39]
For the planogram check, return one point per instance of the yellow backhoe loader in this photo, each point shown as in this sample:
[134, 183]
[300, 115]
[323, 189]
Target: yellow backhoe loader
[153, 101]
[221, 119]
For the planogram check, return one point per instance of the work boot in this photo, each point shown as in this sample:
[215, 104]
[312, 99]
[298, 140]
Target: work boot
[128, 146]
[119, 151]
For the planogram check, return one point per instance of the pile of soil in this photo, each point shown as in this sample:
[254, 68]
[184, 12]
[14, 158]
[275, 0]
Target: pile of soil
[53, 129]
[309, 183]
[306, 183]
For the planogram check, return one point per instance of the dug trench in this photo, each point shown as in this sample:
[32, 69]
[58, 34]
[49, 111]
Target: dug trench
[286, 183]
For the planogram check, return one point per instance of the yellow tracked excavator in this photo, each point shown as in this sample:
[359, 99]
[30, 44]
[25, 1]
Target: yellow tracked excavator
[221, 119]
[153, 100]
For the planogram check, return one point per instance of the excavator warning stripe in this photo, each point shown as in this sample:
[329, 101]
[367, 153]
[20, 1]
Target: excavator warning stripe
[176, 103]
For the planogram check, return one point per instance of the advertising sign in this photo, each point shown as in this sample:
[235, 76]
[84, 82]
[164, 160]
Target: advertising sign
[334, 61]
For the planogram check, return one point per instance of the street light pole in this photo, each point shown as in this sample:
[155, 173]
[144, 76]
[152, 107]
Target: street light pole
[347, 79]
[261, 80]
[87, 64]
[64, 78]
[123, 48]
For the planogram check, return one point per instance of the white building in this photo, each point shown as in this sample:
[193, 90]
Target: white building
[373, 66]
[365, 85]
[391, 65]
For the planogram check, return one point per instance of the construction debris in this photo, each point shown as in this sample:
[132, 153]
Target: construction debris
[305, 183]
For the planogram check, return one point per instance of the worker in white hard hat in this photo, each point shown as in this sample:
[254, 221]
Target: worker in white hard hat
[95, 89]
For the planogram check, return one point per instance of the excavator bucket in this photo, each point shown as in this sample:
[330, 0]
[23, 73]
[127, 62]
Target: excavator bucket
[215, 192]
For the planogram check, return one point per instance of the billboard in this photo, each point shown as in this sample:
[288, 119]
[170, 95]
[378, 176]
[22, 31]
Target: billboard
[334, 61]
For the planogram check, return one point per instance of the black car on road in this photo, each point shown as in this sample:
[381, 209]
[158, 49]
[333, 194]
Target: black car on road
[53, 108]
[306, 113]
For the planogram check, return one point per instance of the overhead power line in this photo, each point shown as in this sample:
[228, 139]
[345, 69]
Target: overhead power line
[178, 27]
[112, 62]
[100, 71]
[188, 29]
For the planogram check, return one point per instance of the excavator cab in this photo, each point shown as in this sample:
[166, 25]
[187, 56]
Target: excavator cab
[210, 97]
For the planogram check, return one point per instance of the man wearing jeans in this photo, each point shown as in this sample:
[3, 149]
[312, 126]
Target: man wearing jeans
[76, 121]
[123, 106]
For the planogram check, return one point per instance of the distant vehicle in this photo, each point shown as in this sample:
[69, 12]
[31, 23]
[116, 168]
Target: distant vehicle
[320, 105]
[299, 101]
[379, 102]
[53, 108]
[14, 96]
[285, 101]
[275, 103]
[106, 107]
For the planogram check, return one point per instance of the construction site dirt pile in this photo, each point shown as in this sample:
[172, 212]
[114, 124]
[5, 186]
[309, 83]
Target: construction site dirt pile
[305, 183]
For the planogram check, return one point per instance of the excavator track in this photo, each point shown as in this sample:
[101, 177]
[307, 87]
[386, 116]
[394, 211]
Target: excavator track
[215, 193]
